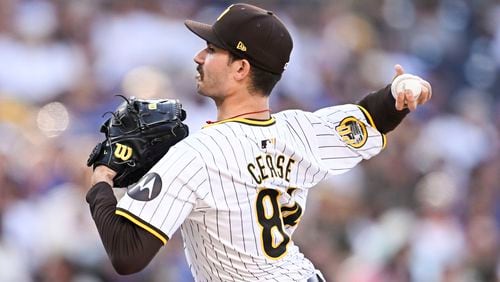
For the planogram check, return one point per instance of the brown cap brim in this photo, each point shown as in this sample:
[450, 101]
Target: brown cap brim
[204, 31]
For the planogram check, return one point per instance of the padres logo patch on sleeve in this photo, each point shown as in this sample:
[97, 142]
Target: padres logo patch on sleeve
[353, 132]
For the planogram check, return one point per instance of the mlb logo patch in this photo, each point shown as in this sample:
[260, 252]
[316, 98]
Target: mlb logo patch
[263, 143]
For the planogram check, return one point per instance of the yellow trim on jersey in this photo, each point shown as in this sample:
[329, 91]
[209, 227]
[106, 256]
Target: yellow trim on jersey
[370, 120]
[268, 122]
[142, 225]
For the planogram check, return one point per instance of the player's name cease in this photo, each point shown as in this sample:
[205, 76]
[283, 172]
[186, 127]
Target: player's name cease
[266, 166]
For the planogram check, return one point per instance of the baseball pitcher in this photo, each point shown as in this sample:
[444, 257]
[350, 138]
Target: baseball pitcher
[237, 189]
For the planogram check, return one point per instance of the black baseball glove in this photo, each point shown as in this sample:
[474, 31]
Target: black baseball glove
[138, 134]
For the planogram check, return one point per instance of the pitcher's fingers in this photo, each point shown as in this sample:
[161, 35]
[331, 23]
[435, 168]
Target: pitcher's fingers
[400, 101]
[428, 87]
[399, 70]
[425, 95]
[410, 100]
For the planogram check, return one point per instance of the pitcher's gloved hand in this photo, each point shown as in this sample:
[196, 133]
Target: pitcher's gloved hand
[138, 134]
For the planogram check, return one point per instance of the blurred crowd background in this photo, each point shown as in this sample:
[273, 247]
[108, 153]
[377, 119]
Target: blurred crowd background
[426, 209]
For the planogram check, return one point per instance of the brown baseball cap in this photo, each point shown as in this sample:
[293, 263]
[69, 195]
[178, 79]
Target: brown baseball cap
[251, 33]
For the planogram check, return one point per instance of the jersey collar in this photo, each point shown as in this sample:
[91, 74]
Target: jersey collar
[248, 121]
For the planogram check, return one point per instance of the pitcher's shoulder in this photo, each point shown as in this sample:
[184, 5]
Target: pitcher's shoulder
[294, 115]
[209, 134]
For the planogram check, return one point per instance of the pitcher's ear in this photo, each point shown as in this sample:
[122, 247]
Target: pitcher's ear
[242, 68]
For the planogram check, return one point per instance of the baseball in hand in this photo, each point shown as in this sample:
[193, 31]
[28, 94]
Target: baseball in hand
[404, 82]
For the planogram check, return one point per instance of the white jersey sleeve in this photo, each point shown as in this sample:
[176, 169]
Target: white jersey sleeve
[162, 199]
[345, 136]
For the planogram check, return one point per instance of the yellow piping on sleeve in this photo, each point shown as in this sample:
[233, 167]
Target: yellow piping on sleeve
[143, 226]
[370, 120]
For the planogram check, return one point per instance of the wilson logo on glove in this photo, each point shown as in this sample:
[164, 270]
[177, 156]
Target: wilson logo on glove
[123, 152]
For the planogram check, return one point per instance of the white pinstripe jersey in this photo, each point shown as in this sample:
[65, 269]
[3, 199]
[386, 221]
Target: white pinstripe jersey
[237, 189]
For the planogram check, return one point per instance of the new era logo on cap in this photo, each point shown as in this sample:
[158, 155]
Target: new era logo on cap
[241, 46]
[251, 33]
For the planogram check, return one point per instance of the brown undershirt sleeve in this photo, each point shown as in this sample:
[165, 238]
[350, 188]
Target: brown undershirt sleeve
[129, 247]
[381, 106]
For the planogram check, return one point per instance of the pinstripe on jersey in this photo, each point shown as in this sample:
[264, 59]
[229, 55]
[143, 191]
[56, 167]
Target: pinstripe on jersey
[237, 189]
